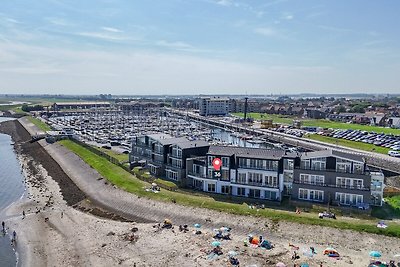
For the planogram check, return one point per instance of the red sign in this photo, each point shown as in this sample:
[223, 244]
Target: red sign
[217, 163]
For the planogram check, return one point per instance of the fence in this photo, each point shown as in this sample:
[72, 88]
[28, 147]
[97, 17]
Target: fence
[139, 174]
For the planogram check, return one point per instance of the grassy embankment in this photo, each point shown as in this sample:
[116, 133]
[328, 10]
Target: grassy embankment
[348, 143]
[41, 125]
[320, 123]
[130, 183]
[121, 157]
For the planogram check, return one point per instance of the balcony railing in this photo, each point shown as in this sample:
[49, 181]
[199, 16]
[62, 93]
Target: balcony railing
[257, 168]
[255, 184]
[329, 170]
[197, 174]
[333, 185]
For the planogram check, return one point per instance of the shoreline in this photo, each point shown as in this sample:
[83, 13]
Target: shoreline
[82, 239]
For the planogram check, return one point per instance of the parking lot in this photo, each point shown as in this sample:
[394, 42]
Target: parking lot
[392, 142]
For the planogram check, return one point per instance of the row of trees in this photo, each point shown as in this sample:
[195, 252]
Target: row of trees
[28, 108]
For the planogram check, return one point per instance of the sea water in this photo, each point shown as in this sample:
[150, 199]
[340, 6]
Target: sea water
[11, 189]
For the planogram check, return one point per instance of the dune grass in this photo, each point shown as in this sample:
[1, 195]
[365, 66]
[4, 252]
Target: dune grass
[126, 181]
[41, 125]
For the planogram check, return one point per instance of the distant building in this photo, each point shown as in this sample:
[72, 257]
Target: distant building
[213, 106]
[138, 107]
[79, 105]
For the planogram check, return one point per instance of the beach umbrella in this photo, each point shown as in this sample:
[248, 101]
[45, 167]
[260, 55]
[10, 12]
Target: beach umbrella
[216, 243]
[153, 184]
[375, 254]
[232, 253]
[197, 225]
[304, 265]
[280, 264]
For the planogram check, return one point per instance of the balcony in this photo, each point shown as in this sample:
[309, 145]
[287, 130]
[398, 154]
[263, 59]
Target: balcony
[197, 174]
[333, 186]
[174, 155]
[330, 170]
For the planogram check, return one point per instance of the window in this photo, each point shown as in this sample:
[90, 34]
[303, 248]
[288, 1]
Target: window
[303, 193]
[318, 164]
[176, 152]
[225, 162]
[312, 179]
[225, 189]
[241, 178]
[348, 199]
[210, 173]
[242, 162]
[255, 178]
[255, 193]
[313, 195]
[210, 160]
[211, 188]
[288, 177]
[349, 182]
[288, 164]
[358, 168]
[271, 181]
[225, 175]
[343, 165]
[305, 164]
[171, 175]
[176, 163]
[241, 191]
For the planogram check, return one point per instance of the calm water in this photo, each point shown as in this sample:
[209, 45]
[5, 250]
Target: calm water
[11, 189]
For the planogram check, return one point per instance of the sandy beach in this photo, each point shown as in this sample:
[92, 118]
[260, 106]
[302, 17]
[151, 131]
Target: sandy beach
[63, 227]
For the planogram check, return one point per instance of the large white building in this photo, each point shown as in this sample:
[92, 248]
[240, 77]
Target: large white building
[213, 106]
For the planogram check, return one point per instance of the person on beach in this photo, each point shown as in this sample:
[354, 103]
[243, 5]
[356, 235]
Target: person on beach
[62, 214]
[4, 226]
[23, 214]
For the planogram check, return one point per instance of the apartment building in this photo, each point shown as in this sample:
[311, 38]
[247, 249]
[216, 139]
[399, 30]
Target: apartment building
[164, 155]
[337, 178]
[175, 168]
[323, 176]
[246, 172]
[213, 106]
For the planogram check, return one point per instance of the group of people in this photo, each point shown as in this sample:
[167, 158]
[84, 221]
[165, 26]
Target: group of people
[14, 236]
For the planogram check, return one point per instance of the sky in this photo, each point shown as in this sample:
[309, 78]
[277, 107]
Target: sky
[180, 47]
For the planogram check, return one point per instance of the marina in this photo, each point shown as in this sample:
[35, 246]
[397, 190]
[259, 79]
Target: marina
[116, 130]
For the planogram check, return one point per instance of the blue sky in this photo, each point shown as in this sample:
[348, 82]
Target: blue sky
[199, 46]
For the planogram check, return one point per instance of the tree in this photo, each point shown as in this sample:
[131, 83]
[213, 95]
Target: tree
[340, 109]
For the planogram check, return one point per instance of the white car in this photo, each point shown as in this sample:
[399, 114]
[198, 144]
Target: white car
[395, 147]
[394, 153]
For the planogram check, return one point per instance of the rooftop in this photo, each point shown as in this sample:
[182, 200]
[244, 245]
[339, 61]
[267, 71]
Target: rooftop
[332, 153]
[258, 153]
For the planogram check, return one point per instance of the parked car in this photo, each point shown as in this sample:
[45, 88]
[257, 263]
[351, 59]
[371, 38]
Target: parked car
[393, 153]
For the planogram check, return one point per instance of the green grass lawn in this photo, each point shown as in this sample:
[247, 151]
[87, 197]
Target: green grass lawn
[320, 123]
[41, 125]
[263, 116]
[126, 181]
[394, 203]
[119, 156]
[348, 143]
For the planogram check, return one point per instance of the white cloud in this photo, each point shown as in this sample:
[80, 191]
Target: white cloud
[224, 2]
[265, 31]
[110, 29]
[288, 17]
[59, 21]
[103, 36]
[176, 45]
